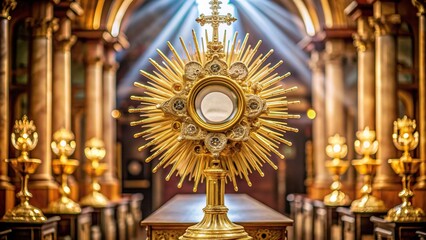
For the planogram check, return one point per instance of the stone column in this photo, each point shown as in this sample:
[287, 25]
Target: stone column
[93, 79]
[334, 88]
[65, 11]
[420, 4]
[93, 47]
[110, 184]
[42, 185]
[6, 189]
[386, 20]
[363, 41]
[322, 178]
[420, 187]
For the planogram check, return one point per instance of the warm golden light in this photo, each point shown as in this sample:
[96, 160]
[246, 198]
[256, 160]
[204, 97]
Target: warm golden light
[327, 13]
[115, 30]
[336, 149]
[98, 15]
[213, 115]
[311, 113]
[306, 17]
[115, 113]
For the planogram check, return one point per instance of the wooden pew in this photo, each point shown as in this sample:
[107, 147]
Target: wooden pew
[32, 231]
[135, 217]
[74, 226]
[104, 219]
[308, 219]
[356, 226]
[320, 220]
[121, 210]
[421, 234]
[396, 230]
[5, 234]
[296, 213]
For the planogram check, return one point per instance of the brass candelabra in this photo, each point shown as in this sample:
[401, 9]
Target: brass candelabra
[63, 145]
[24, 139]
[406, 140]
[337, 149]
[95, 152]
[366, 145]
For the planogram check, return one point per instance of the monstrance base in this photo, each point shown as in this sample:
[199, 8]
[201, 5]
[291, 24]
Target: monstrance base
[337, 198]
[368, 203]
[215, 225]
[94, 199]
[24, 212]
[405, 213]
[64, 206]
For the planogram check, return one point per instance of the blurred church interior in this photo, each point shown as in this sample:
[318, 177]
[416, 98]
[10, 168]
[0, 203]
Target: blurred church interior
[71, 64]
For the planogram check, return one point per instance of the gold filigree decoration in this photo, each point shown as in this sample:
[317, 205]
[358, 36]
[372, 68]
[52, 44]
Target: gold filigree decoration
[171, 122]
[166, 234]
[270, 234]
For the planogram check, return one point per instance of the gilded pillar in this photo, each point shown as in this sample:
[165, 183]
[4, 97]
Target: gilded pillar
[420, 4]
[110, 184]
[41, 183]
[322, 178]
[386, 20]
[334, 88]
[93, 85]
[6, 189]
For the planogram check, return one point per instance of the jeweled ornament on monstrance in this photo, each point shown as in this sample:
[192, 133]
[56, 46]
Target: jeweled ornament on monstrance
[212, 115]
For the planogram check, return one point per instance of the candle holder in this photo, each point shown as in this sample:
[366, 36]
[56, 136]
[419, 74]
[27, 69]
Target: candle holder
[63, 145]
[366, 145]
[406, 140]
[337, 149]
[95, 152]
[24, 139]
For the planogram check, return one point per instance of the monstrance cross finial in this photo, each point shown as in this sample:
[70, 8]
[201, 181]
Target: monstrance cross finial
[215, 19]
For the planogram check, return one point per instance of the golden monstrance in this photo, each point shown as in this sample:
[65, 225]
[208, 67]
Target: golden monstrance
[214, 115]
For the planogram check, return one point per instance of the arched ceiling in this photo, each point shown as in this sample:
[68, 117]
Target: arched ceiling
[111, 15]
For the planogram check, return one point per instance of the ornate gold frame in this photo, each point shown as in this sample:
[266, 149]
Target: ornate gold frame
[216, 80]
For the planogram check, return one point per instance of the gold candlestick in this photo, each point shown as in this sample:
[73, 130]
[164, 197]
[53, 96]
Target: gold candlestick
[337, 150]
[406, 140]
[366, 145]
[24, 139]
[95, 152]
[63, 145]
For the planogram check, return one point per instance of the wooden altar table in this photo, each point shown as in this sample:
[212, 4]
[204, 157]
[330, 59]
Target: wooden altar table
[260, 221]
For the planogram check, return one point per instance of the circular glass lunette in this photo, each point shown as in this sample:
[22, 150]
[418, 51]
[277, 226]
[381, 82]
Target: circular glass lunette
[216, 103]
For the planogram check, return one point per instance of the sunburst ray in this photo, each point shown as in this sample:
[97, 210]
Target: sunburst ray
[165, 118]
